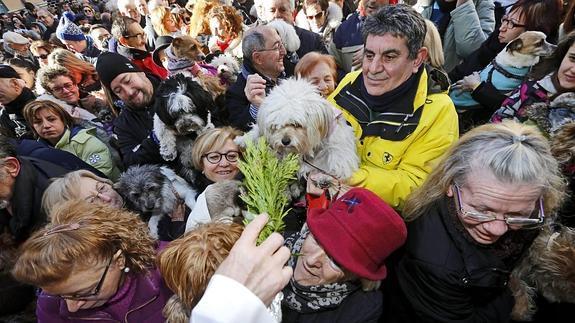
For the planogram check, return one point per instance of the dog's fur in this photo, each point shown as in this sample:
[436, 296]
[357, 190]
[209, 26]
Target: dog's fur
[183, 111]
[522, 52]
[295, 118]
[228, 68]
[151, 190]
[287, 34]
[223, 200]
[542, 113]
[548, 269]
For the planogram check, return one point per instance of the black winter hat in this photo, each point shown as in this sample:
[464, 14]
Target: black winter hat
[7, 72]
[110, 65]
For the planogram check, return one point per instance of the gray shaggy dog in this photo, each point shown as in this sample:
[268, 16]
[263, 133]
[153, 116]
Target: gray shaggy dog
[155, 190]
[548, 269]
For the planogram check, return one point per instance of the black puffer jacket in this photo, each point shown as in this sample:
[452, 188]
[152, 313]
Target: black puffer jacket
[443, 275]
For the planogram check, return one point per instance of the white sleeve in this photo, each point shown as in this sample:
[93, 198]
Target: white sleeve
[228, 301]
[200, 213]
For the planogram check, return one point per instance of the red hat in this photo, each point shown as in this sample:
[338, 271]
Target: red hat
[359, 231]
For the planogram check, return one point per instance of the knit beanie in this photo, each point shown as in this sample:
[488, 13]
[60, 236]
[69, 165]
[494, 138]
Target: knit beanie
[110, 65]
[68, 30]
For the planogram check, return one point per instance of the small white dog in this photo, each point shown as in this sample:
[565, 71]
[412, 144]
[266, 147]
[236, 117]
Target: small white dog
[295, 118]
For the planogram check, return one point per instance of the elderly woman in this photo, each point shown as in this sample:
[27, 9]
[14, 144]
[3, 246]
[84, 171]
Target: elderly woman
[320, 70]
[93, 262]
[338, 259]
[467, 226]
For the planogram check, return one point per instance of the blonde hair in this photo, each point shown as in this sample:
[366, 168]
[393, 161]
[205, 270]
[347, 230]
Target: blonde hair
[157, 15]
[33, 107]
[210, 140]
[81, 235]
[72, 63]
[67, 188]
[432, 42]
[188, 263]
[512, 152]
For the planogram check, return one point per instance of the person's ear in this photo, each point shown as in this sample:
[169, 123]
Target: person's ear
[450, 191]
[123, 41]
[12, 166]
[419, 59]
[119, 259]
[256, 58]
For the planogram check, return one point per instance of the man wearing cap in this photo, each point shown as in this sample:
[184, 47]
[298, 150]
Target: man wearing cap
[16, 45]
[132, 45]
[399, 109]
[134, 126]
[14, 95]
[73, 37]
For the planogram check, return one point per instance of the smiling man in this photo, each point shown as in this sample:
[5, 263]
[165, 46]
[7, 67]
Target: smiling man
[399, 108]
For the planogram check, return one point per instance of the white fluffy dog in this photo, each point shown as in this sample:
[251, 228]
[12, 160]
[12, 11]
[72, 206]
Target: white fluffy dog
[295, 118]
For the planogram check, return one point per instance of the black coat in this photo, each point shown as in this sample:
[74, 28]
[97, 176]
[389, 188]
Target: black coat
[309, 42]
[444, 276]
[359, 307]
[17, 127]
[133, 129]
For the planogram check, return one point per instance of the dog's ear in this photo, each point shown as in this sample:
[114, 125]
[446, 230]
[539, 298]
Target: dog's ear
[515, 45]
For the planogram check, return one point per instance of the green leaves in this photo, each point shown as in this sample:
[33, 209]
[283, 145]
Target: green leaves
[266, 184]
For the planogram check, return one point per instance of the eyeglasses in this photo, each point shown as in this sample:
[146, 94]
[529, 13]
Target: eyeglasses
[316, 16]
[87, 11]
[43, 56]
[215, 157]
[510, 23]
[96, 290]
[100, 188]
[277, 47]
[521, 222]
[136, 35]
[60, 89]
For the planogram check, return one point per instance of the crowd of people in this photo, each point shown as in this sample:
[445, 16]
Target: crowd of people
[123, 125]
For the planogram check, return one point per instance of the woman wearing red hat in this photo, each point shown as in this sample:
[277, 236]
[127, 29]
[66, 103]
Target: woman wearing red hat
[338, 260]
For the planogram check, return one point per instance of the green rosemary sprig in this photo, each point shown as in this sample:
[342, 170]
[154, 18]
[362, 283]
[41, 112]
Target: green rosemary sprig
[266, 181]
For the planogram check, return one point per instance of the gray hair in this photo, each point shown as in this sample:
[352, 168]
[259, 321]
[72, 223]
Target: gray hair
[512, 152]
[7, 149]
[253, 41]
[399, 21]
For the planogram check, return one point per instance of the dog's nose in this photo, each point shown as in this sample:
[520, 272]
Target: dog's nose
[286, 141]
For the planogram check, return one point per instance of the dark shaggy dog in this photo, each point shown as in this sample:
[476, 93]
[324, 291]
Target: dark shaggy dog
[159, 195]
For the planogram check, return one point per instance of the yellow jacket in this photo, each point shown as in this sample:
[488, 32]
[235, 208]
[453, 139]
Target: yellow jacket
[409, 140]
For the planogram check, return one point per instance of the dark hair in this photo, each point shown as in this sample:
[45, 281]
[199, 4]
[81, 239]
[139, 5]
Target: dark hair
[121, 25]
[540, 15]
[22, 63]
[323, 4]
[7, 147]
[552, 63]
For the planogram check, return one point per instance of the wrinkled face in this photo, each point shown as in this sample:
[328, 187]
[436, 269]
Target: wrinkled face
[26, 75]
[566, 72]
[224, 169]
[101, 37]
[508, 30]
[136, 37]
[128, 9]
[134, 89]
[20, 48]
[10, 89]
[7, 180]
[371, 6]
[315, 16]
[142, 7]
[77, 46]
[270, 60]
[45, 17]
[65, 89]
[84, 281]
[484, 193]
[314, 266]
[386, 63]
[93, 191]
[277, 9]
[48, 125]
[322, 77]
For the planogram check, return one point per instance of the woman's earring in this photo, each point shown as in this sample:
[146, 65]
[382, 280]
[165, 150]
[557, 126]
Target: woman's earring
[126, 269]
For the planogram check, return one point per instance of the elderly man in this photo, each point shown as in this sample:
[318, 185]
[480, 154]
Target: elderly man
[138, 10]
[44, 16]
[262, 67]
[14, 95]
[16, 45]
[134, 126]
[400, 111]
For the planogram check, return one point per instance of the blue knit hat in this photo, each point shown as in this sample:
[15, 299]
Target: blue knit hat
[67, 30]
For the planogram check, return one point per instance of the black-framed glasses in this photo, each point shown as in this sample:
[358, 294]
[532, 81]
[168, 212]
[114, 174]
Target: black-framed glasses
[535, 219]
[215, 157]
[96, 290]
[136, 35]
[277, 47]
[316, 16]
[510, 23]
[43, 56]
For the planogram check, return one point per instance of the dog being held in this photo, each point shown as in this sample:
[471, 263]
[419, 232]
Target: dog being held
[507, 70]
[548, 269]
[183, 111]
[228, 68]
[295, 118]
[157, 191]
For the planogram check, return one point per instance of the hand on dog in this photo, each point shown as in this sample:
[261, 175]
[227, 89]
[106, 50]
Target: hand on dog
[468, 83]
[255, 89]
[357, 60]
[260, 268]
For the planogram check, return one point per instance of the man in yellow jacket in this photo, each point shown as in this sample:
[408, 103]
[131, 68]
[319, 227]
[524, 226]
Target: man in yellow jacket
[399, 108]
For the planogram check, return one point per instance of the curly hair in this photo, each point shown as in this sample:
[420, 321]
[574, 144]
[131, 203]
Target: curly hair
[189, 262]
[80, 235]
[231, 21]
[199, 24]
[47, 74]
